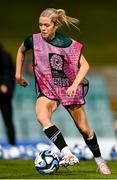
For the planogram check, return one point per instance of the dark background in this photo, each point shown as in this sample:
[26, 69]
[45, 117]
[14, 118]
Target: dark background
[98, 25]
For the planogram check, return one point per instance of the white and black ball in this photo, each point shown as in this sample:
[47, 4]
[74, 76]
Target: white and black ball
[47, 162]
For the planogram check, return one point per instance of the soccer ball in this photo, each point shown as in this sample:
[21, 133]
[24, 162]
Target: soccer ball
[46, 162]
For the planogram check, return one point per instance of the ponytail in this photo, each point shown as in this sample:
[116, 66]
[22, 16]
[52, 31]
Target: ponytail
[59, 16]
[64, 19]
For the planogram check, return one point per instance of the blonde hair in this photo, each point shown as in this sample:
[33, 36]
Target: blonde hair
[59, 16]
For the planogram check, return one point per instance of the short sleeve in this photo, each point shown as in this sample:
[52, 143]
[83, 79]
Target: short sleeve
[28, 42]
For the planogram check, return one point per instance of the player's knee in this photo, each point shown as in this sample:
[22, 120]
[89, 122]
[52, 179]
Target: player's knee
[41, 117]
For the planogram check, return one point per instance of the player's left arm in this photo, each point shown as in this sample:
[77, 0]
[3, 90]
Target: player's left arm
[19, 66]
[84, 67]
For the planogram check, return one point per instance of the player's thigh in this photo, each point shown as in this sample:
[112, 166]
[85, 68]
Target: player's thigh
[45, 106]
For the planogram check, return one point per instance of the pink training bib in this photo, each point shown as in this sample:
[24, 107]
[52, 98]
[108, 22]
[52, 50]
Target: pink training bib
[56, 68]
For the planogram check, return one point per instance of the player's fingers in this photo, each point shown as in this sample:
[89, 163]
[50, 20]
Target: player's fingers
[25, 83]
[69, 92]
[72, 92]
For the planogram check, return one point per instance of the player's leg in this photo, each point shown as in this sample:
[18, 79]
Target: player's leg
[79, 116]
[7, 113]
[44, 109]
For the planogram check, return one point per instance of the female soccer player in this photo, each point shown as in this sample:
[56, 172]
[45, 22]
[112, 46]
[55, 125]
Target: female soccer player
[60, 69]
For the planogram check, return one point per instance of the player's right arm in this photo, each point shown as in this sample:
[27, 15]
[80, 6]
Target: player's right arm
[19, 66]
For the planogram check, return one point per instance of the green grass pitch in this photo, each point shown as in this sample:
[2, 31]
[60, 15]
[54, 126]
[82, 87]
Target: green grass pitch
[25, 169]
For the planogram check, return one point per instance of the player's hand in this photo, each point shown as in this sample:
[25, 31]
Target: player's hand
[3, 88]
[71, 90]
[22, 82]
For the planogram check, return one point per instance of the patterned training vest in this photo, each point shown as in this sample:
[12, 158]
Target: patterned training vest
[56, 68]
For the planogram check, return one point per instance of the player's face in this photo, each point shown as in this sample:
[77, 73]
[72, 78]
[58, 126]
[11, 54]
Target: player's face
[47, 28]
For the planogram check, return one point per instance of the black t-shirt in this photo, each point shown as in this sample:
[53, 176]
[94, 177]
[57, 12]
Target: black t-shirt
[59, 41]
[28, 43]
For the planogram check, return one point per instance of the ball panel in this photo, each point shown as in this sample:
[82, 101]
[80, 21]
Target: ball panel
[47, 162]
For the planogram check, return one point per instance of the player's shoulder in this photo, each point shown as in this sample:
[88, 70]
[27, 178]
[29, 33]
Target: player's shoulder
[28, 42]
[77, 41]
[28, 38]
